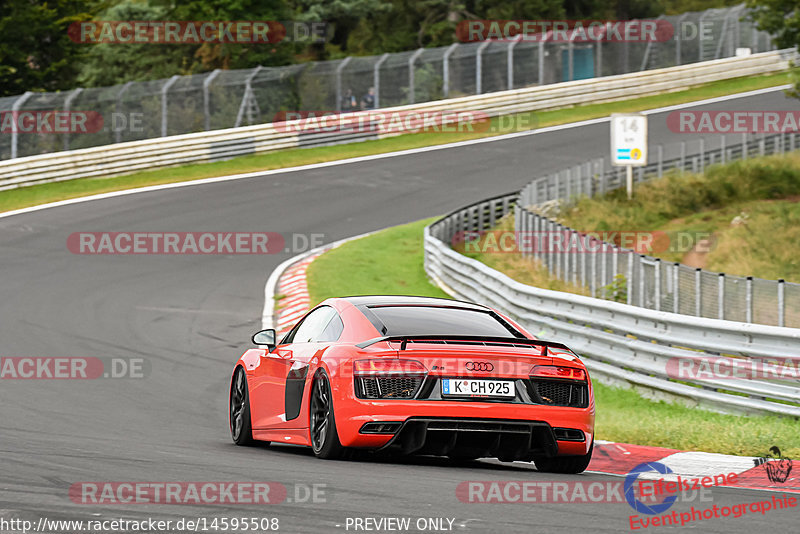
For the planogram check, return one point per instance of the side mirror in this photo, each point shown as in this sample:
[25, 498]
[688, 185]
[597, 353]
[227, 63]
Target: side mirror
[266, 337]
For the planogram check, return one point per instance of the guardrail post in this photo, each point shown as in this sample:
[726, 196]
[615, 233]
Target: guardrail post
[522, 225]
[560, 256]
[568, 192]
[614, 260]
[683, 156]
[702, 154]
[576, 250]
[791, 142]
[566, 257]
[748, 299]
[550, 231]
[207, 99]
[411, 68]
[762, 146]
[540, 74]
[722, 149]
[510, 61]
[744, 146]
[342, 64]
[604, 267]
[67, 107]
[557, 191]
[657, 283]
[479, 67]
[678, 39]
[700, 36]
[697, 292]
[248, 92]
[583, 254]
[660, 151]
[593, 267]
[629, 283]
[446, 69]
[15, 116]
[376, 79]
[781, 303]
[571, 58]
[676, 286]
[118, 107]
[164, 90]
[579, 179]
[721, 296]
[641, 281]
[598, 53]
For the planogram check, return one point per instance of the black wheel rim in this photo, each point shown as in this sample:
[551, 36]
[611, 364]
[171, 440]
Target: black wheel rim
[238, 397]
[320, 412]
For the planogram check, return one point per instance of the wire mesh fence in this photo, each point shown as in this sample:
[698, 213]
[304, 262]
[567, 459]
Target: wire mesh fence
[621, 274]
[229, 98]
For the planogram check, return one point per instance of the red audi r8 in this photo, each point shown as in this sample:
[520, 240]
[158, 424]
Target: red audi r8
[415, 375]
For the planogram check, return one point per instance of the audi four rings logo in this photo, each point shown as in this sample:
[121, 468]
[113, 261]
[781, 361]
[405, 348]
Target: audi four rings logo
[479, 366]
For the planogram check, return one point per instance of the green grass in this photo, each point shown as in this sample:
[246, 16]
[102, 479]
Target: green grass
[749, 208]
[390, 262]
[510, 261]
[40, 194]
[624, 416]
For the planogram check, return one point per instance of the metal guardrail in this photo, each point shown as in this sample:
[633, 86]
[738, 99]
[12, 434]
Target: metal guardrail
[124, 158]
[622, 344]
[238, 97]
[613, 272]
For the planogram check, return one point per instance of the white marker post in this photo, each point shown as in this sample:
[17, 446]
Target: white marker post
[628, 143]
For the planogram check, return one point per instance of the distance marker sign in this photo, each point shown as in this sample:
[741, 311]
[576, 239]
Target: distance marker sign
[628, 139]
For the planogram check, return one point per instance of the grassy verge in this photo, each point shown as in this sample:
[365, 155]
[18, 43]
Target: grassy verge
[390, 262]
[748, 209]
[511, 262]
[29, 196]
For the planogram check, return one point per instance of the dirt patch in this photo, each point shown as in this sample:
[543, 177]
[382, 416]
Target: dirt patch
[698, 256]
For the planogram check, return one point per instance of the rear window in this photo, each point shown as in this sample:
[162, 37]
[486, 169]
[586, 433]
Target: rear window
[432, 321]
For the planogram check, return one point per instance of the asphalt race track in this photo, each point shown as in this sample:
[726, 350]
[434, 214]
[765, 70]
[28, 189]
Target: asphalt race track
[190, 317]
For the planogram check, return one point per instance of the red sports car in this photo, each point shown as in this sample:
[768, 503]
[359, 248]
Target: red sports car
[415, 375]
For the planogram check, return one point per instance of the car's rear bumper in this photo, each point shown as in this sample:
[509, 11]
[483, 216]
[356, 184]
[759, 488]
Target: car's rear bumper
[415, 435]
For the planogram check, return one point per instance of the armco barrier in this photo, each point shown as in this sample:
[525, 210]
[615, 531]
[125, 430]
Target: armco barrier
[620, 343]
[123, 158]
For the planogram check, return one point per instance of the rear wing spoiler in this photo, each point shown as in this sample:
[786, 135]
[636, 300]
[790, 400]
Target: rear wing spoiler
[468, 340]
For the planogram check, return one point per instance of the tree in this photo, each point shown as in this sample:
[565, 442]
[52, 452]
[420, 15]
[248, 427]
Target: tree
[36, 52]
[780, 18]
[113, 63]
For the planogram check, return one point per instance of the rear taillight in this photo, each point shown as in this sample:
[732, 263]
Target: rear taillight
[554, 371]
[388, 367]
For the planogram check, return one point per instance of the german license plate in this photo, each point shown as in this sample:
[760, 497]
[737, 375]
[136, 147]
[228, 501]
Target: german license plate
[477, 388]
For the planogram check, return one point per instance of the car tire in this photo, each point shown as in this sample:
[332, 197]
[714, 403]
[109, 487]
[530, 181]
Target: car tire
[322, 421]
[564, 464]
[239, 409]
